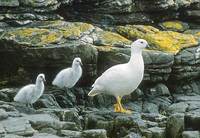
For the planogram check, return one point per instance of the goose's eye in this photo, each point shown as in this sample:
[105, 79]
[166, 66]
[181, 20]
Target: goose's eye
[141, 42]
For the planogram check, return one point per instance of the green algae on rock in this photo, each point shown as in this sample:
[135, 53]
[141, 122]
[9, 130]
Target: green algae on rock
[168, 41]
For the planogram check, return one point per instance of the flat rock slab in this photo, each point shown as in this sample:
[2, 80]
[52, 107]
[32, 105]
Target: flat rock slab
[192, 119]
[94, 133]
[9, 3]
[19, 126]
[3, 114]
[39, 121]
[190, 134]
[44, 135]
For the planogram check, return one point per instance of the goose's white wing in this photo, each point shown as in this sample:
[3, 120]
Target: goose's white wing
[62, 78]
[25, 94]
[118, 80]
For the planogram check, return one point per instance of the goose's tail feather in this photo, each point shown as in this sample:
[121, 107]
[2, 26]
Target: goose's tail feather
[93, 92]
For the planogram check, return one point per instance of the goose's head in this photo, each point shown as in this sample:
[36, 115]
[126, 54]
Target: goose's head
[139, 44]
[77, 62]
[41, 78]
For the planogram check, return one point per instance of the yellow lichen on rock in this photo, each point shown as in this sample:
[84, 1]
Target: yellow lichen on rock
[76, 29]
[104, 48]
[107, 38]
[27, 32]
[176, 25]
[167, 41]
[84, 27]
[52, 37]
[197, 34]
[33, 36]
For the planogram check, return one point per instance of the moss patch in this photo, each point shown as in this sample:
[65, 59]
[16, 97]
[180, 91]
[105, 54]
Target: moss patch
[167, 41]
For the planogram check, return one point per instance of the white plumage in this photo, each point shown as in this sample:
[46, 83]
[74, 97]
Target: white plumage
[29, 94]
[122, 79]
[69, 77]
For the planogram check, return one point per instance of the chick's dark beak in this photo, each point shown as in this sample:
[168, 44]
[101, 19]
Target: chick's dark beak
[148, 46]
[81, 63]
[43, 79]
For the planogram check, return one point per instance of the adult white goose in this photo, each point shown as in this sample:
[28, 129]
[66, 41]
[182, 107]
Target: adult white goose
[68, 77]
[29, 94]
[122, 79]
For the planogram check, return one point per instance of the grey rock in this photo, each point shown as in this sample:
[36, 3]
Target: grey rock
[154, 117]
[146, 133]
[65, 97]
[44, 135]
[159, 89]
[59, 58]
[193, 105]
[2, 130]
[7, 94]
[19, 126]
[46, 101]
[185, 98]
[12, 136]
[190, 134]
[67, 115]
[177, 108]
[151, 124]
[192, 14]
[113, 122]
[48, 131]
[3, 114]
[130, 120]
[129, 12]
[162, 102]
[71, 134]
[115, 6]
[133, 135]
[175, 125]
[150, 108]
[39, 121]
[9, 3]
[157, 132]
[94, 133]
[192, 119]
[186, 64]
[40, 5]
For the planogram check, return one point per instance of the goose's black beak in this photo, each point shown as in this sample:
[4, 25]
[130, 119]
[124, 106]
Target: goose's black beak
[148, 46]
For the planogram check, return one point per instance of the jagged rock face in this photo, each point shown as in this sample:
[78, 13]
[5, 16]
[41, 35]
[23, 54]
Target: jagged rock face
[136, 11]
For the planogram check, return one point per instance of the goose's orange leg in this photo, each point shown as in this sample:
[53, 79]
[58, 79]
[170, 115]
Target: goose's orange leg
[119, 108]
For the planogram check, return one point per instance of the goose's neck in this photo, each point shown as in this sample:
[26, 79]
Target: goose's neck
[75, 67]
[136, 56]
[39, 84]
